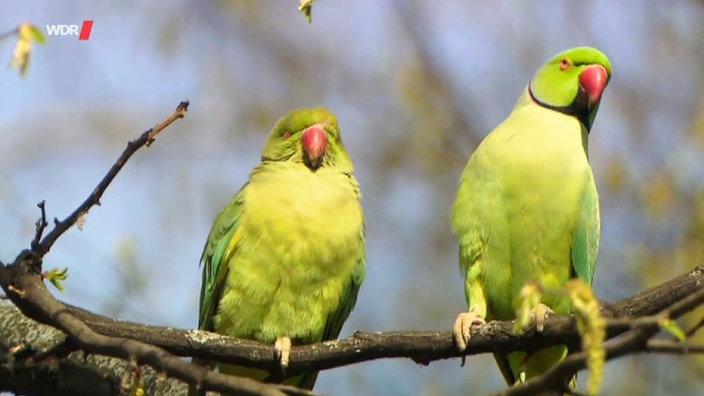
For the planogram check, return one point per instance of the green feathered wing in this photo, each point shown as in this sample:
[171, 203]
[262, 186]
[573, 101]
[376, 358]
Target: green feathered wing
[214, 270]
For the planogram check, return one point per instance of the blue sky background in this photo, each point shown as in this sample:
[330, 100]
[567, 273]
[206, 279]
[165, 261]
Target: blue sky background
[243, 64]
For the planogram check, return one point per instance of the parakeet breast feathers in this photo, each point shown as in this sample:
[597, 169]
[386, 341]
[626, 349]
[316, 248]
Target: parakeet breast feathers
[531, 173]
[311, 224]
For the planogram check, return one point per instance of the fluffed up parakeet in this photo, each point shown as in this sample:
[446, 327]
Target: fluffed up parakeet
[527, 208]
[285, 258]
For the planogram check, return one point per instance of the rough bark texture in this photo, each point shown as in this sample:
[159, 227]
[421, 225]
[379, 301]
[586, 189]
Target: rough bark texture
[33, 361]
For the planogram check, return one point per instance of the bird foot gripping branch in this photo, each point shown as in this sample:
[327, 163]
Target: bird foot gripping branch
[283, 352]
[461, 330]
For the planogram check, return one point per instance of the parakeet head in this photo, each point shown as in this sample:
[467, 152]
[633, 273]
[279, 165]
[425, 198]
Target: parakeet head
[572, 82]
[308, 136]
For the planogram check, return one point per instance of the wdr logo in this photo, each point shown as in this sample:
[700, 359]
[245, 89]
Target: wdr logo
[71, 30]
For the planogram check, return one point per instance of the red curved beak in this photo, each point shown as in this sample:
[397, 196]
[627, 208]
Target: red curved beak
[314, 142]
[593, 80]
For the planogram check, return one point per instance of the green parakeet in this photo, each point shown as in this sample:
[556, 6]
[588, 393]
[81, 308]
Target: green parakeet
[527, 208]
[285, 258]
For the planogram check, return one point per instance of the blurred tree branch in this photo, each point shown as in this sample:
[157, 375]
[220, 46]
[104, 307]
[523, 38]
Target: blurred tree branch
[455, 123]
[47, 354]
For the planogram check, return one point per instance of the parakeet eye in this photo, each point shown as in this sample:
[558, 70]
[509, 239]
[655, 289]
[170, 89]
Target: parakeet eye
[286, 135]
[565, 64]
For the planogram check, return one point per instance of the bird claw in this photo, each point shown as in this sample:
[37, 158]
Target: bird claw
[461, 330]
[282, 349]
[539, 314]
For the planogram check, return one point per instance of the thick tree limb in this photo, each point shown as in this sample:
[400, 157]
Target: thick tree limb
[420, 346]
[34, 360]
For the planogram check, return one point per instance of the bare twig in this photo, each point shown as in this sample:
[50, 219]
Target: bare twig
[42, 248]
[673, 347]
[695, 328]
[180, 112]
[12, 32]
[40, 225]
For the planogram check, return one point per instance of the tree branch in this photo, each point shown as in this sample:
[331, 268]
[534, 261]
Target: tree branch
[673, 347]
[147, 138]
[421, 346]
[693, 330]
[40, 225]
